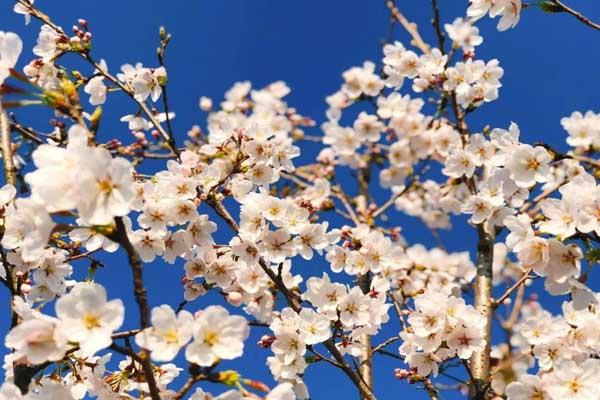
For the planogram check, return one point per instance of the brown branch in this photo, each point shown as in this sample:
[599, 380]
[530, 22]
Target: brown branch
[584, 160]
[535, 202]
[585, 20]
[37, 14]
[391, 201]
[517, 284]
[188, 385]
[386, 343]
[141, 298]
[26, 133]
[436, 22]
[339, 193]
[410, 27]
[23, 373]
[516, 310]
[168, 138]
[164, 41]
[125, 334]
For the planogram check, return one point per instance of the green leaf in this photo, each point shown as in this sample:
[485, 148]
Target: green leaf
[550, 7]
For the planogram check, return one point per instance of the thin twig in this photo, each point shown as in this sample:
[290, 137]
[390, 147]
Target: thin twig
[436, 22]
[188, 385]
[576, 14]
[392, 200]
[169, 139]
[410, 27]
[509, 291]
[516, 310]
[386, 343]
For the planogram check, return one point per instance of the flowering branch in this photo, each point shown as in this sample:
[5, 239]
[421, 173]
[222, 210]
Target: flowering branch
[83, 198]
[364, 389]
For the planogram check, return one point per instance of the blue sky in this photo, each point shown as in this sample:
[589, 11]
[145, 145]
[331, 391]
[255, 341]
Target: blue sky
[550, 62]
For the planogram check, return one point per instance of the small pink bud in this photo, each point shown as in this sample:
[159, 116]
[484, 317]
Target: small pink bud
[234, 298]
[266, 341]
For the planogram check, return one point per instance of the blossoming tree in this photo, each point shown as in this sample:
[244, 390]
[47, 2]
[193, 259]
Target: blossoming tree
[536, 213]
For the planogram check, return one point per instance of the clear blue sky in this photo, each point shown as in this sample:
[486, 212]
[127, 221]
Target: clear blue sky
[550, 62]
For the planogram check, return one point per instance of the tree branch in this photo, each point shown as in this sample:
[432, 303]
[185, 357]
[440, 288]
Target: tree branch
[585, 20]
[141, 298]
[10, 171]
[480, 361]
[513, 287]
[410, 27]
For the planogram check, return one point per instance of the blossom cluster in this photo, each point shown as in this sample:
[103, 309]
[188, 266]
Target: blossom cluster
[239, 214]
[441, 327]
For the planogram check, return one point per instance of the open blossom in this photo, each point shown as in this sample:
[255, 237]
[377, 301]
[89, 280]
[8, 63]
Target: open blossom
[575, 381]
[354, 308]
[583, 129]
[241, 172]
[97, 90]
[148, 83]
[28, 226]
[46, 46]
[359, 80]
[37, 340]
[148, 244]
[87, 318]
[508, 10]
[10, 49]
[459, 163]
[464, 34]
[526, 388]
[314, 328]
[529, 165]
[217, 335]
[105, 184]
[442, 326]
[169, 333]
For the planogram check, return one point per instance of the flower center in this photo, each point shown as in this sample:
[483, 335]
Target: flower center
[211, 338]
[105, 186]
[91, 321]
